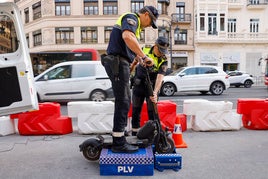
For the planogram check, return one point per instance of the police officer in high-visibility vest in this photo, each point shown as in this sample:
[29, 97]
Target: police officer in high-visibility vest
[123, 47]
[156, 74]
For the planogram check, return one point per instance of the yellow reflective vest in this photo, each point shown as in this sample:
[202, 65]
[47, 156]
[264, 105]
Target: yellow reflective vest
[157, 63]
[138, 30]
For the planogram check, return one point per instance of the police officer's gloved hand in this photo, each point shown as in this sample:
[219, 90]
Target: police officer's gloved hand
[148, 62]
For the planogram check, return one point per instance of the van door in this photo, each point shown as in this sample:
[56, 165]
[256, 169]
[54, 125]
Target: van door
[17, 92]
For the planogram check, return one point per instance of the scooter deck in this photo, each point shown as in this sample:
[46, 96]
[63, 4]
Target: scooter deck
[133, 140]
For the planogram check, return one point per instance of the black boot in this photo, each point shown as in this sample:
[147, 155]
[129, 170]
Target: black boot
[120, 145]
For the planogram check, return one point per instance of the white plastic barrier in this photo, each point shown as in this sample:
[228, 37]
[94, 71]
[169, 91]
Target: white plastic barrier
[7, 126]
[93, 117]
[216, 121]
[89, 123]
[191, 106]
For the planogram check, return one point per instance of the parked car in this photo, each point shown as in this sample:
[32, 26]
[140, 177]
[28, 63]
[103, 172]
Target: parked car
[196, 78]
[239, 78]
[74, 80]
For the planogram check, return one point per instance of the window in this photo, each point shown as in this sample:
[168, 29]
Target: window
[207, 70]
[222, 21]
[110, 7]
[63, 8]
[36, 10]
[162, 6]
[27, 39]
[191, 71]
[142, 36]
[136, 5]
[89, 35]
[107, 33]
[64, 35]
[254, 1]
[180, 10]
[59, 73]
[212, 24]
[254, 25]
[91, 7]
[37, 38]
[202, 22]
[26, 15]
[84, 70]
[181, 37]
[231, 25]
[8, 37]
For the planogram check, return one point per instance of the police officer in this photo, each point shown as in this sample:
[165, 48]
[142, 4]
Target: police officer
[123, 47]
[156, 74]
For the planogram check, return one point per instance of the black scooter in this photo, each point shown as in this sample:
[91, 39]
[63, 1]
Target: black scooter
[150, 134]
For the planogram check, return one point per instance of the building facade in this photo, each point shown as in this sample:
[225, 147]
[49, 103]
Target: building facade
[64, 25]
[232, 34]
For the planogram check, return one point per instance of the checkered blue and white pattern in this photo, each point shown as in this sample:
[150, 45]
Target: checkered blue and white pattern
[141, 158]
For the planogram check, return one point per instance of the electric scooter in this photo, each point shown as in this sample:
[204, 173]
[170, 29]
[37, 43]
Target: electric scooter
[150, 134]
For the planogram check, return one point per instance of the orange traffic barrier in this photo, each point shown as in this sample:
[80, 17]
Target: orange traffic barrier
[177, 134]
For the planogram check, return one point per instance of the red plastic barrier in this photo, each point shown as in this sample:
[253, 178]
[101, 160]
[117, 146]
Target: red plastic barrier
[166, 110]
[183, 119]
[46, 120]
[254, 112]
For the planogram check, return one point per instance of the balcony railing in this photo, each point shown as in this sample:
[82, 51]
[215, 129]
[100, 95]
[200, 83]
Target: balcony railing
[177, 17]
[257, 2]
[248, 36]
[233, 37]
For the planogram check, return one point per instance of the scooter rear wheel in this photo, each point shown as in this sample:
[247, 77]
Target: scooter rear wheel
[161, 149]
[92, 152]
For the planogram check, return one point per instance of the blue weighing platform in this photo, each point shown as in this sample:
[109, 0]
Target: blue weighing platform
[140, 163]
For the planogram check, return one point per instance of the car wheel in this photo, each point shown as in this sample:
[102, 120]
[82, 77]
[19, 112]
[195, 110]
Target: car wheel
[168, 89]
[97, 95]
[248, 84]
[203, 92]
[217, 88]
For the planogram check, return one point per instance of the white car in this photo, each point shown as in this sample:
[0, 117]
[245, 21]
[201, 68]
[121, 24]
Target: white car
[74, 80]
[196, 78]
[239, 78]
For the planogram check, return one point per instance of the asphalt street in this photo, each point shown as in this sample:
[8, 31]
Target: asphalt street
[224, 154]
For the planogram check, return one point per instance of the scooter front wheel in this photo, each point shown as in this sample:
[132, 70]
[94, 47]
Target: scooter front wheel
[91, 149]
[164, 149]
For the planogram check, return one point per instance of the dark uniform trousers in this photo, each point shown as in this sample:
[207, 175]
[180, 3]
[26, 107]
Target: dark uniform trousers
[121, 89]
[140, 93]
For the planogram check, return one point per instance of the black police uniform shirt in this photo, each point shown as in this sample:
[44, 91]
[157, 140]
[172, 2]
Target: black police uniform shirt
[116, 45]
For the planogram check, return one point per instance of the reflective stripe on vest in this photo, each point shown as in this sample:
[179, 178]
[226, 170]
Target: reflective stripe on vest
[157, 64]
[138, 30]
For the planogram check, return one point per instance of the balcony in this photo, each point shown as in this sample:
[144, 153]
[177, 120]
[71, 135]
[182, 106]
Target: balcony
[181, 18]
[231, 37]
[235, 4]
[257, 4]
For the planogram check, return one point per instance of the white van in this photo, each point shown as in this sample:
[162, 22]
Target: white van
[17, 92]
[74, 80]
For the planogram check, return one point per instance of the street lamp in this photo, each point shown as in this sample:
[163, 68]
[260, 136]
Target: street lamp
[165, 31]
